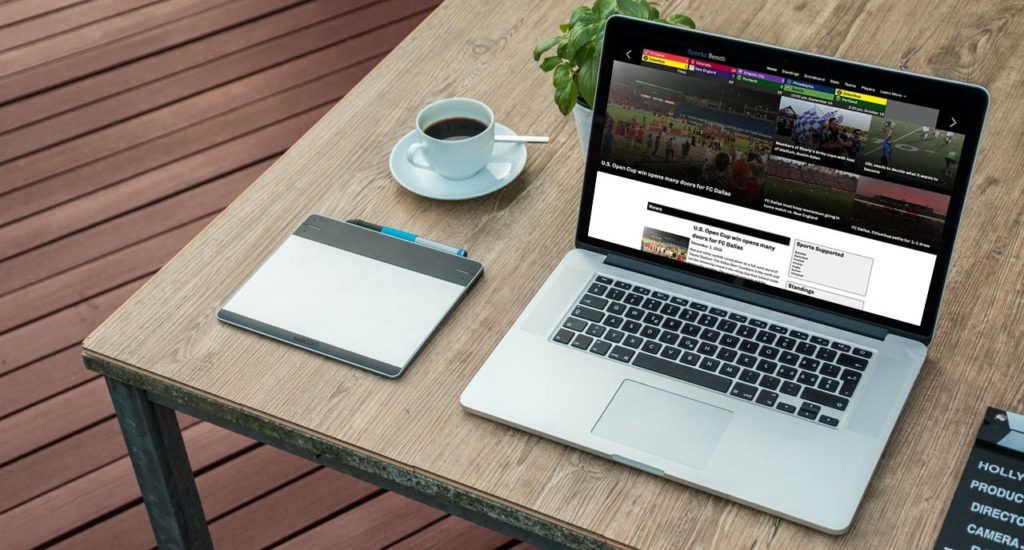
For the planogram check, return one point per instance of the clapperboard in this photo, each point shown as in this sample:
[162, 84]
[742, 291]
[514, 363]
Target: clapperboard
[987, 511]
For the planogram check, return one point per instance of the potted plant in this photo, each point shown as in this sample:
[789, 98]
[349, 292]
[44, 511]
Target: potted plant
[577, 49]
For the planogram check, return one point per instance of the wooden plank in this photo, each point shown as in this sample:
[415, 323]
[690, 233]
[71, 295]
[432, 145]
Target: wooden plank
[64, 20]
[289, 510]
[137, 261]
[454, 532]
[59, 330]
[42, 379]
[64, 461]
[105, 490]
[13, 11]
[222, 71]
[374, 524]
[117, 80]
[222, 489]
[26, 431]
[172, 147]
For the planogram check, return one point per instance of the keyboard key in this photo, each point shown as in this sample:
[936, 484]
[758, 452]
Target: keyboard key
[688, 343]
[769, 352]
[743, 391]
[671, 353]
[839, 346]
[787, 373]
[575, 324]
[632, 327]
[590, 300]
[807, 414]
[828, 369]
[749, 376]
[582, 341]
[617, 308]
[804, 348]
[769, 381]
[668, 337]
[584, 312]
[634, 299]
[737, 317]
[727, 326]
[633, 341]
[604, 280]
[613, 321]
[820, 341]
[767, 398]
[596, 330]
[564, 336]
[707, 320]
[620, 353]
[790, 388]
[718, 311]
[690, 358]
[654, 319]
[651, 304]
[651, 346]
[789, 358]
[849, 375]
[729, 370]
[710, 335]
[810, 407]
[614, 336]
[848, 387]
[615, 294]
[799, 335]
[828, 420]
[707, 348]
[730, 341]
[828, 384]
[757, 323]
[749, 346]
[765, 337]
[824, 398]
[709, 364]
[785, 342]
[672, 324]
[746, 360]
[698, 306]
[635, 313]
[679, 301]
[690, 329]
[642, 291]
[807, 363]
[778, 328]
[600, 347]
[597, 289]
[650, 332]
[687, 374]
[726, 354]
[807, 378]
[746, 331]
[766, 366]
[862, 353]
[688, 314]
[826, 354]
[785, 407]
[670, 310]
[623, 285]
[660, 296]
[847, 360]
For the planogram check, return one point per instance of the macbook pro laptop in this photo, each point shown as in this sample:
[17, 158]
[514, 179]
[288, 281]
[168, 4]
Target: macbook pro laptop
[762, 244]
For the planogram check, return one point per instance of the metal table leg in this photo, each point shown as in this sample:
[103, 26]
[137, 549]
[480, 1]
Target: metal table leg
[157, 451]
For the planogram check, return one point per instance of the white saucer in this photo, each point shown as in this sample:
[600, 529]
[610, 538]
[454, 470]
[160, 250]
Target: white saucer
[506, 164]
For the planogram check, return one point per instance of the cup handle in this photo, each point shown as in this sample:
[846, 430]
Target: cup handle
[411, 156]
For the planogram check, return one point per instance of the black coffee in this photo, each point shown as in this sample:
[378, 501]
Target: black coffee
[454, 129]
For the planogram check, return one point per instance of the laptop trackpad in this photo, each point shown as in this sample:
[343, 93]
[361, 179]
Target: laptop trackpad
[662, 423]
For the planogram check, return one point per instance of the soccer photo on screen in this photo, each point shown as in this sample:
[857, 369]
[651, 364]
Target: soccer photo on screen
[665, 244]
[914, 151]
[900, 212]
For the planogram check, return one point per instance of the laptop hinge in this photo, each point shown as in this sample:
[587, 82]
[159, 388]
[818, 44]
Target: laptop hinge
[753, 297]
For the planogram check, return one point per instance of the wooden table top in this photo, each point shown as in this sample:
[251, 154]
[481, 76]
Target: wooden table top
[168, 330]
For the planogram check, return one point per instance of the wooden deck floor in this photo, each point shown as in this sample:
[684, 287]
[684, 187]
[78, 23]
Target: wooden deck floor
[125, 126]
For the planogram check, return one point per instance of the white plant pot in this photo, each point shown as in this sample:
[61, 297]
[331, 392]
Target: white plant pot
[584, 117]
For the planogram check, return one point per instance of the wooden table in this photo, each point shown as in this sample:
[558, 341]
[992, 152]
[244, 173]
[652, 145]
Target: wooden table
[165, 350]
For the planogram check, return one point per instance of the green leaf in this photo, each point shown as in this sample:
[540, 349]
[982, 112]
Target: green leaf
[652, 12]
[563, 27]
[565, 88]
[578, 14]
[550, 63]
[586, 80]
[543, 46]
[633, 8]
[604, 8]
[682, 21]
[580, 38]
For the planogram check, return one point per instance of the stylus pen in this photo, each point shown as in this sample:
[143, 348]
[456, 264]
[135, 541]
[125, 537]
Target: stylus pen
[405, 235]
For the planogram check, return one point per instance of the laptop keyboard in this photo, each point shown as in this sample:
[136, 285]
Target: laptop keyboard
[786, 369]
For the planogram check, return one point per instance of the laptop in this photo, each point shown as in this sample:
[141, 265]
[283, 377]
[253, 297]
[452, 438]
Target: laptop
[762, 244]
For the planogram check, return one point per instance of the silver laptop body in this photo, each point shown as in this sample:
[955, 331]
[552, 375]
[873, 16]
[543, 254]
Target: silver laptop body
[794, 434]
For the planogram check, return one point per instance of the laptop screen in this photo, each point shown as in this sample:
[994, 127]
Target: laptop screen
[831, 186]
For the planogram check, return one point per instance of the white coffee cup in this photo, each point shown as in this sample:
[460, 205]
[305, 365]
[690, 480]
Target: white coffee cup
[451, 154]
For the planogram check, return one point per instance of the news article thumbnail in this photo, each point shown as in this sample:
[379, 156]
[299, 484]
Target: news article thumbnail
[690, 129]
[809, 192]
[836, 135]
[910, 152]
[907, 215]
[665, 244]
